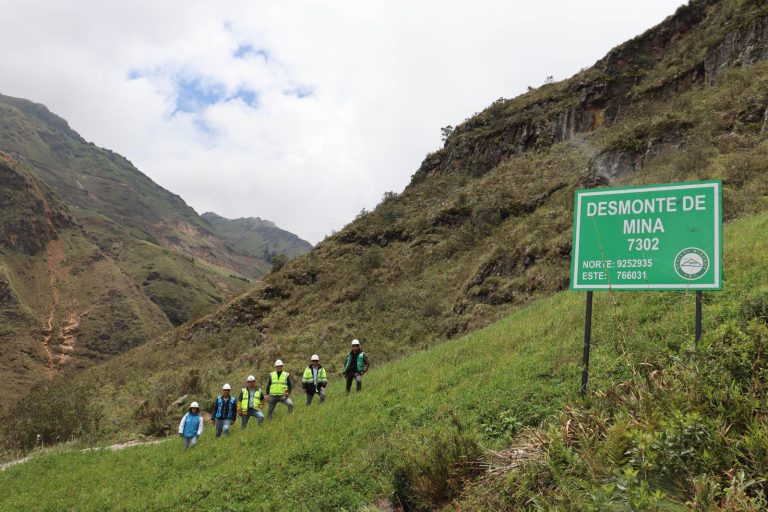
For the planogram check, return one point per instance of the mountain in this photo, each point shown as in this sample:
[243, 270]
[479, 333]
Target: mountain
[484, 227]
[257, 237]
[64, 303]
[484, 230]
[94, 251]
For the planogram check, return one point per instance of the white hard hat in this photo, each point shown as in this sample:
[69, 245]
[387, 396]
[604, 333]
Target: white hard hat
[315, 357]
[226, 386]
[194, 405]
[251, 378]
[278, 363]
[355, 342]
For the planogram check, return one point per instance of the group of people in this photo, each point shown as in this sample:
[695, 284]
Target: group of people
[250, 400]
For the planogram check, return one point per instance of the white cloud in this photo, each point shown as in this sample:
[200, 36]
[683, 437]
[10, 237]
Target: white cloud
[383, 78]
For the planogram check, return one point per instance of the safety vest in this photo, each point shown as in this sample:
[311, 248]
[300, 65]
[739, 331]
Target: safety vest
[245, 395]
[360, 361]
[225, 408]
[307, 377]
[279, 384]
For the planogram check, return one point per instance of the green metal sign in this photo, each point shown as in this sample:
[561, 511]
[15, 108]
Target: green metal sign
[658, 237]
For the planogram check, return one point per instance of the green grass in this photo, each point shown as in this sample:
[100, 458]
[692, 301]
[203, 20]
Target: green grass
[341, 455]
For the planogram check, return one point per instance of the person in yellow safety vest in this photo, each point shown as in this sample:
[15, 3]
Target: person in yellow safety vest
[355, 365]
[279, 388]
[249, 403]
[314, 380]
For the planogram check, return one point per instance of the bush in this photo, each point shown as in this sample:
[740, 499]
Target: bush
[55, 413]
[688, 430]
[428, 476]
[279, 262]
[153, 413]
[755, 306]
[371, 259]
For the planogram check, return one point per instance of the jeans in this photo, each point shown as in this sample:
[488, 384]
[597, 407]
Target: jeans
[251, 412]
[358, 378]
[273, 400]
[222, 426]
[311, 394]
[190, 442]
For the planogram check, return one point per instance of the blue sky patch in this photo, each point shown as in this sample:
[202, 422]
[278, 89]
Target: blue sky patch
[135, 74]
[245, 51]
[194, 94]
[203, 126]
[301, 91]
[250, 97]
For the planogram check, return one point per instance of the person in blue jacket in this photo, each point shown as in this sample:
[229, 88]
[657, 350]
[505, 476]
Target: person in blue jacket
[191, 426]
[224, 410]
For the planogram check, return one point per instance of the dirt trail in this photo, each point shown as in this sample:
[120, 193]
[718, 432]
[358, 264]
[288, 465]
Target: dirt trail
[112, 448]
[68, 332]
[55, 256]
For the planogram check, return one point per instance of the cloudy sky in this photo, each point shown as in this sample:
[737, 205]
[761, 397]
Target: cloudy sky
[302, 112]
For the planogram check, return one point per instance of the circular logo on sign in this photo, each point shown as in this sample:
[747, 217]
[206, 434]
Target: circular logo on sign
[691, 263]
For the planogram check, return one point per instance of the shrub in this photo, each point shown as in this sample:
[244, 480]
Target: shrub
[428, 476]
[153, 414]
[55, 413]
[371, 259]
[755, 306]
[682, 430]
[278, 262]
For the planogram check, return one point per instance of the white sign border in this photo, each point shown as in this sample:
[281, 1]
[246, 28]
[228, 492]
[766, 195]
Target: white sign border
[718, 235]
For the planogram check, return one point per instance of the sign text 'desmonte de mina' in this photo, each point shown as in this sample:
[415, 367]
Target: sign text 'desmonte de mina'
[659, 237]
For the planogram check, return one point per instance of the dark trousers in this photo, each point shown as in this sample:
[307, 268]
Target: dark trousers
[358, 378]
[311, 392]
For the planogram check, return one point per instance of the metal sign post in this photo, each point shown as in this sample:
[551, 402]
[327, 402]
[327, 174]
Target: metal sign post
[656, 237]
[697, 328]
[587, 338]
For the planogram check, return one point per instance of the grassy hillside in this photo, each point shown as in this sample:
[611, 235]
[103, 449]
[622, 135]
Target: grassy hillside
[64, 303]
[101, 181]
[103, 184]
[94, 256]
[484, 228]
[354, 451]
[183, 286]
[257, 237]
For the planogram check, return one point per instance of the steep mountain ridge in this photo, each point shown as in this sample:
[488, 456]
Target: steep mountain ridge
[39, 214]
[63, 302]
[484, 227]
[691, 48]
[104, 182]
[95, 258]
[257, 237]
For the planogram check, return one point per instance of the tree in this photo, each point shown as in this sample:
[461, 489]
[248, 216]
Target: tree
[446, 132]
[279, 262]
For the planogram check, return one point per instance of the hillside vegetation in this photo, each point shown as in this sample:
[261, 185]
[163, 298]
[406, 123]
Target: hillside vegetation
[422, 419]
[95, 258]
[484, 228]
[257, 236]
[63, 303]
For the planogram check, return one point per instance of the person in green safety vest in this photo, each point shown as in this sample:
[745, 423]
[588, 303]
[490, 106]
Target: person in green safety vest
[249, 403]
[355, 365]
[279, 389]
[314, 380]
